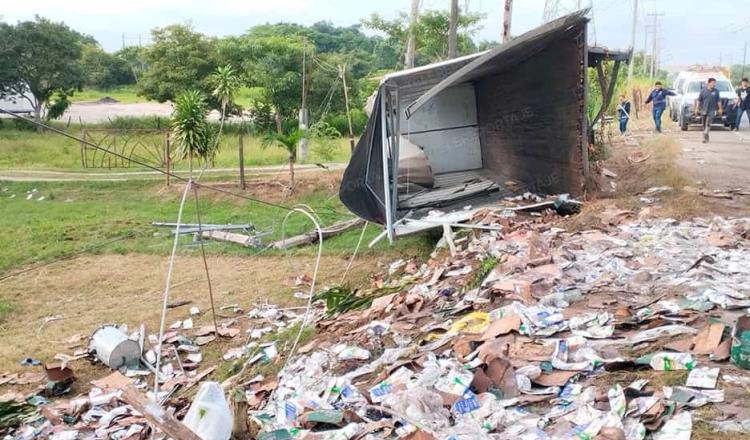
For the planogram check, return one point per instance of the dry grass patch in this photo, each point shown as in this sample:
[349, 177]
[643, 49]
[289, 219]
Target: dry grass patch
[90, 291]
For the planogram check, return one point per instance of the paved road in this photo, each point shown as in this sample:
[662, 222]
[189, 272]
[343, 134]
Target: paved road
[98, 112]
[74, 176]
[723, 163]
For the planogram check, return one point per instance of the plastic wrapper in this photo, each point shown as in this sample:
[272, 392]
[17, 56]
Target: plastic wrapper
[419, 405]
[703, 378]
[671, 361]
[209, 415]
[617, 403]
[679, 427]
[351, 353]
[592, 325]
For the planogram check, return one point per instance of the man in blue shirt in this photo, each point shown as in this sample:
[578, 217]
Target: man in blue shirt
[659, 98]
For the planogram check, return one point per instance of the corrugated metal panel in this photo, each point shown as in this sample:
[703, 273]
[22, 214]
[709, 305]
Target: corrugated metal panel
[506, 55]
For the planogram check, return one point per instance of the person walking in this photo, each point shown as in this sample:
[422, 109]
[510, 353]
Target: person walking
[659, 98]
[623, 114]
[742, 103]
[708, 105]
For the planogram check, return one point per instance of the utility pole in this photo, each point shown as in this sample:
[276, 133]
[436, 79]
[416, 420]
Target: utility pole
[632, 39]
[744, 62]
[411, 39]
[303, 108]
[453, 31]
[551, 10]
[342, 73]
[654, 65]
[507, 17]
[123, 41]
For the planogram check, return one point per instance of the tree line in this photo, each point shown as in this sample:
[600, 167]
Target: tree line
[48, 62]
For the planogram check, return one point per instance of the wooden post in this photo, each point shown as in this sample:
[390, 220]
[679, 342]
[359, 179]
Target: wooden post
[157, 416]
[240, 425]
[342, 72]
[83, 149]
[167, 159]
[241, 150]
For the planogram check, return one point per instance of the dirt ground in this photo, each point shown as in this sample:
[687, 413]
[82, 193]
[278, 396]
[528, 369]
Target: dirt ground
[720, 164]
[93, 290]
[92, 112]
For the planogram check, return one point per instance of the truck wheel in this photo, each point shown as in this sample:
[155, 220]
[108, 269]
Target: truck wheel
[683, 123]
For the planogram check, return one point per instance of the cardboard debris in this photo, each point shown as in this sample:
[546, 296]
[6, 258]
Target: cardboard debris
[512, 335]
[708, 339]
[115, 381]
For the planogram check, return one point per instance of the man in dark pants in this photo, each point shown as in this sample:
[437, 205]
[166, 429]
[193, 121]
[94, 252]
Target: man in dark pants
[743, 102]
[659, 97]
[623, 113]
[708, 105]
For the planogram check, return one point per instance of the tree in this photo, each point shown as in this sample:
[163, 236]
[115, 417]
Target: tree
[135, 58]
[40, 60]
[289, 143]
[190, 129]
[226, 83]
[104, 70]
[179, 59]
[272, 63]
[431, 34]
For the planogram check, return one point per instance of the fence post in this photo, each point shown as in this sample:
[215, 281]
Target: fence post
[241, 149]
[83, 149]
[167, 159]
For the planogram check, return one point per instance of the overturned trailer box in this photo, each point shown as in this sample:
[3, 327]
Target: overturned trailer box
[476, 129]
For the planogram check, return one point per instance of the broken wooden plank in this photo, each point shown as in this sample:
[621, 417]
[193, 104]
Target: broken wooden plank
[156, 415]
[232, 237]
[312, 236]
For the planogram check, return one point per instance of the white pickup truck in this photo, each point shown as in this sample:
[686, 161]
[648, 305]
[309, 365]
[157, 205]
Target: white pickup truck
[689, 94]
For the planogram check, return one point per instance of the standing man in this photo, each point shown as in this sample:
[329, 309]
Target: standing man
[743, 102]
[659, 98]
[623, 114]
[709, 105]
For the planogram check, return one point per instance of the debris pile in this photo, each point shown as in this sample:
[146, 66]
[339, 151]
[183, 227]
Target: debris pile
[518, 329]
[618, 333]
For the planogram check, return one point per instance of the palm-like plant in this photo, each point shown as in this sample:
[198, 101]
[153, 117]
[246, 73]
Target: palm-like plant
[189, 127]
[226, 83]
[289, 143]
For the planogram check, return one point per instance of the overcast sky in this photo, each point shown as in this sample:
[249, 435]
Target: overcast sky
[691, 31]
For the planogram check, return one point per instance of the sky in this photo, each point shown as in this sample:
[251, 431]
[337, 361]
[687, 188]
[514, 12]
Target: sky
[690, 31]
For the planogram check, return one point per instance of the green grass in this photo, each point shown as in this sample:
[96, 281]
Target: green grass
[78, 216]
[21, 149]
[124, 94]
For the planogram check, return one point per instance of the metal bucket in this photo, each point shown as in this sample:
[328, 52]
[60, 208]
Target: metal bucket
[114, 348]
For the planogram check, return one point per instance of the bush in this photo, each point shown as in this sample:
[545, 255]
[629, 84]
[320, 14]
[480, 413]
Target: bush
[341, 124]
[138, 123]
[24, 124]
[322, 141]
